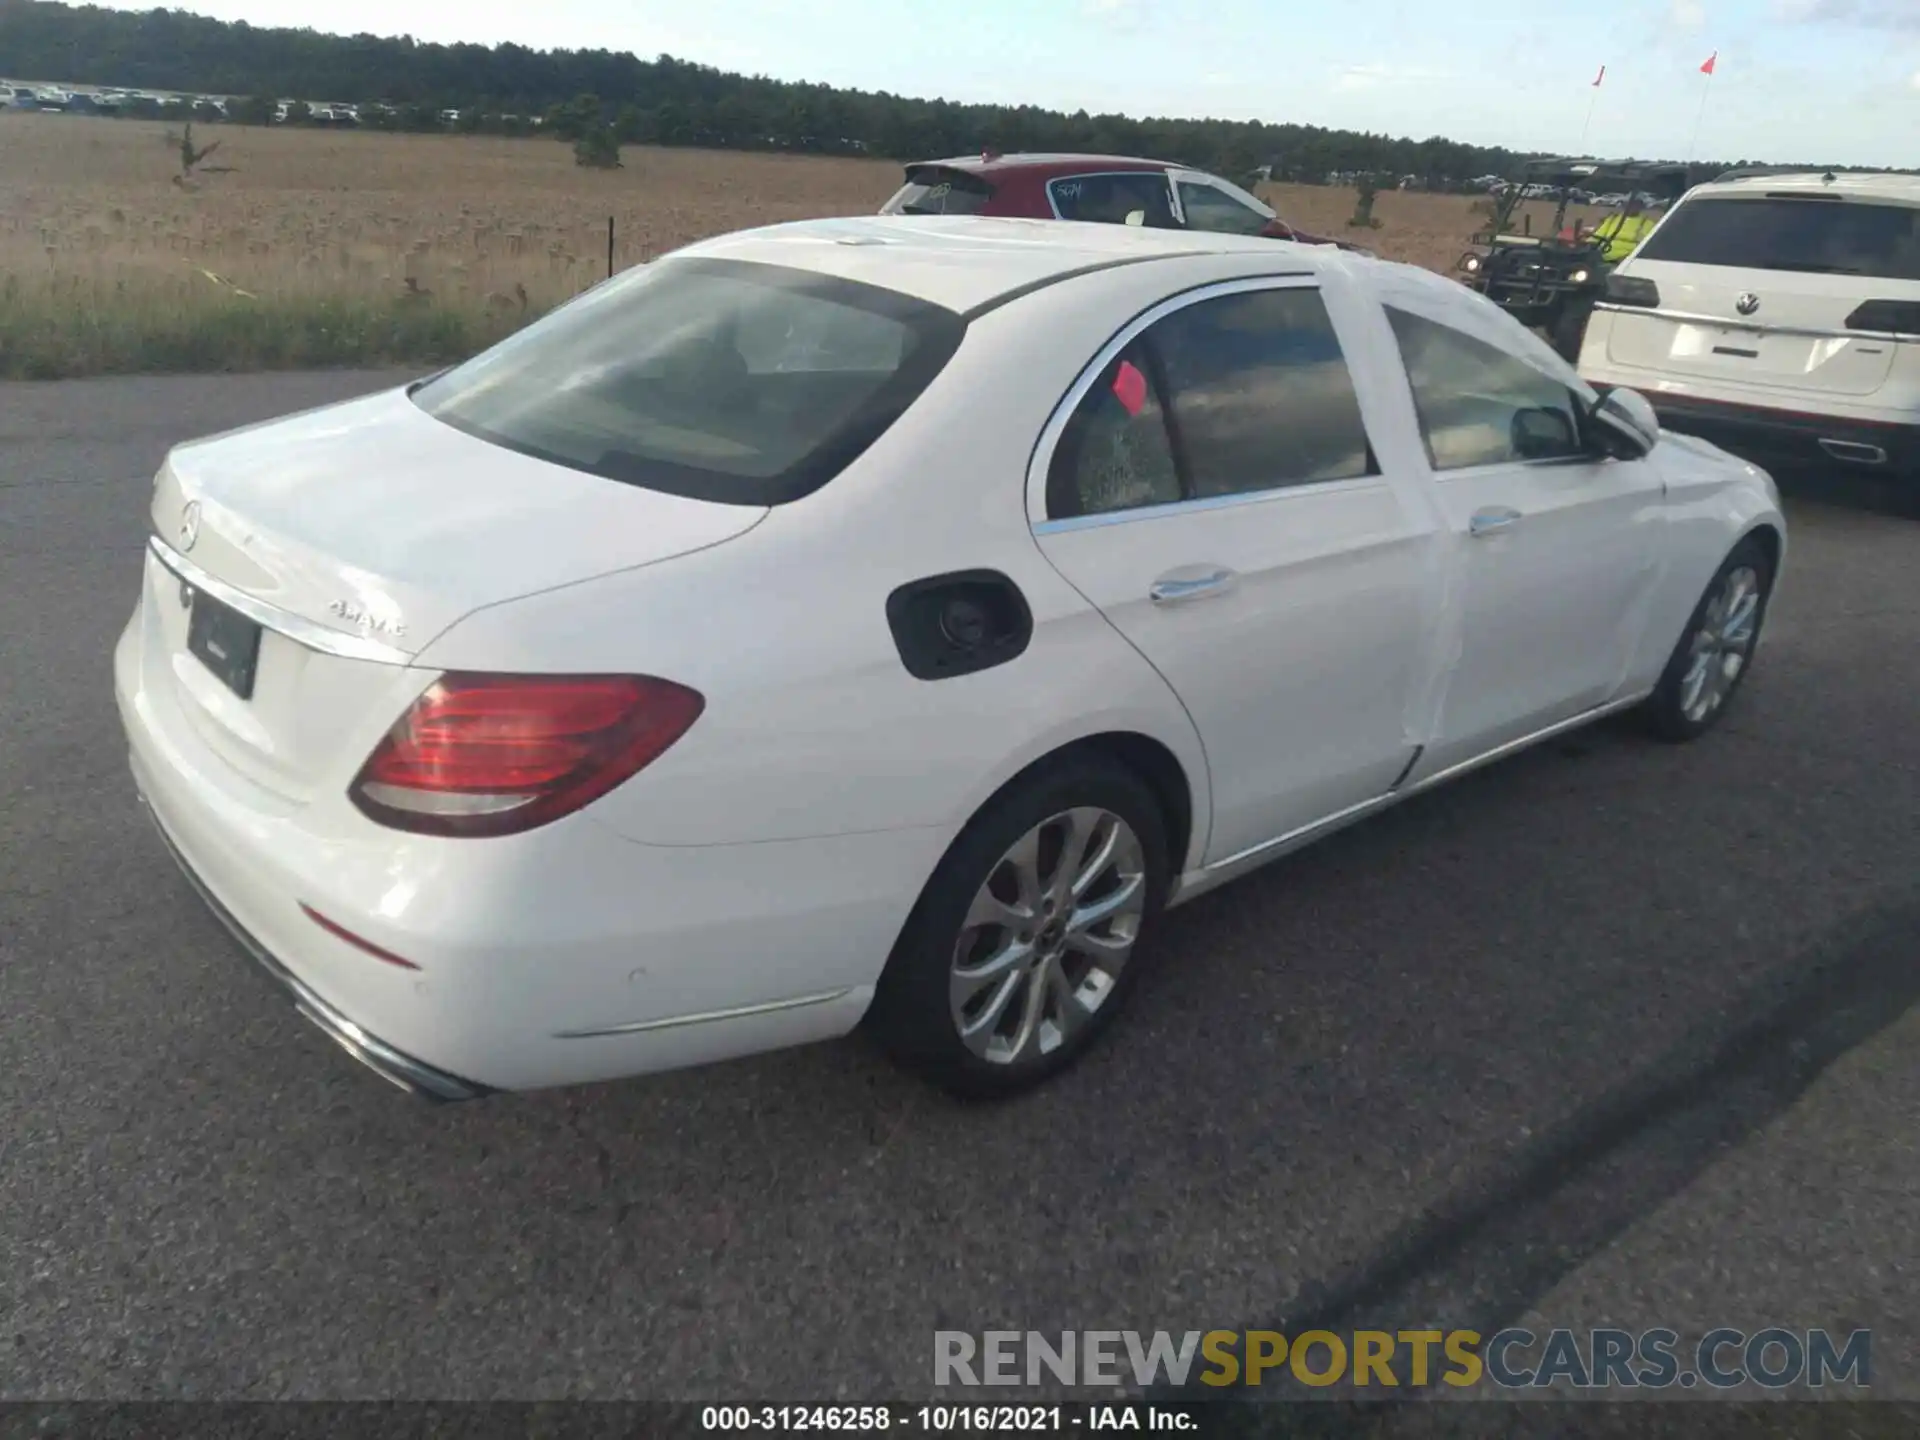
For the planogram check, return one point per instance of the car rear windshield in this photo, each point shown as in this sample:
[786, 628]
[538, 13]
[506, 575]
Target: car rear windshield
[741, 383]
[931, 190]
[1821, 237]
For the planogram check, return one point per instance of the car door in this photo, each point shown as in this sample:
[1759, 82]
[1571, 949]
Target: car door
[1558, 548]
[1211, 487]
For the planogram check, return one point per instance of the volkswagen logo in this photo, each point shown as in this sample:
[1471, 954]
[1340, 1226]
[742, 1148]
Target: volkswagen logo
[1747, 303]
[189, 525]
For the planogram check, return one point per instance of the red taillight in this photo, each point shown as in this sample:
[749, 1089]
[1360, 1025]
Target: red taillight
[1892, 317]
[497, 754]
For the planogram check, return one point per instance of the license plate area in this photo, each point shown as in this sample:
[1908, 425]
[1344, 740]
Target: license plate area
[225, 641]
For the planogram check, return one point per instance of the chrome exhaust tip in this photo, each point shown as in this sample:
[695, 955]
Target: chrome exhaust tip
[1854, 452]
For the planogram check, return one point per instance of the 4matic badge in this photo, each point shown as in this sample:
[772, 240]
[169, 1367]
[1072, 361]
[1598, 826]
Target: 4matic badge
[359, 615]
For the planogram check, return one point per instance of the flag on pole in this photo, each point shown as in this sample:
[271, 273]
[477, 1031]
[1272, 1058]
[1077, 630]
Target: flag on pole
[1601, 76]
[1707, 69]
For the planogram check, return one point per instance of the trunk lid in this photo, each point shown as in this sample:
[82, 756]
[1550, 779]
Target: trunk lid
[372, 519]
[1791, 341]
[359, 532]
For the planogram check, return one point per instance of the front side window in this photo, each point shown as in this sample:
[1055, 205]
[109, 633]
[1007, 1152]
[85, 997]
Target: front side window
[1109, 199]
[1233, 395]
[720, 380]
[1479, 404]
[1212, 209]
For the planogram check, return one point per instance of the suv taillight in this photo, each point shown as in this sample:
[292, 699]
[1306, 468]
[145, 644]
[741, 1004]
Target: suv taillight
[1632, 290]
[1893, 317]
[498, 754]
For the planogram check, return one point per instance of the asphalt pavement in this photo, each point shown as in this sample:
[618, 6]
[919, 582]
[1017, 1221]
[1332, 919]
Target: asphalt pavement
[1610, 1032]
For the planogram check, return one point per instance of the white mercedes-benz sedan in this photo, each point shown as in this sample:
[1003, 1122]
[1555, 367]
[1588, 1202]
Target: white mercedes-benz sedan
[883, 620]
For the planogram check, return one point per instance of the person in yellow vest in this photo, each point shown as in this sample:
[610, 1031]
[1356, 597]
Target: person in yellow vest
[1621, 232]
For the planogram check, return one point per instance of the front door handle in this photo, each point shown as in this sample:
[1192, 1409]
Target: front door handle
[1493, 521]
[1190, 583]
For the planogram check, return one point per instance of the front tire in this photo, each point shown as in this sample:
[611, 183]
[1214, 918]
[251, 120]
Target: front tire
[1023, 947]
[1716, 649]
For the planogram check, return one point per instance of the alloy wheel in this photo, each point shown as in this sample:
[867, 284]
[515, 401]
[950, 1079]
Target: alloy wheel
[1723, 644]
[1047, 935]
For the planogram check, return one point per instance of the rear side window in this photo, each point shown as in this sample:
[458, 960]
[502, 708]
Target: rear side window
[1116, 453]
[1261, 394]
[1821, 237]
[933, 191]
[720, 380]
[1109, 199]
[1233, 395]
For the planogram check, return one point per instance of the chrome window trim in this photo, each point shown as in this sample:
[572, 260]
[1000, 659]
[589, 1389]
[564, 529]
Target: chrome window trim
[296, 628]
[1049, 441]
[1071, 523]
[1814, 332]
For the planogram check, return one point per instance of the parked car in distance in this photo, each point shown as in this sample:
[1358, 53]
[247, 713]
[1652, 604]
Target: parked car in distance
[1777, 314]
[885, 619]
[1108, 189]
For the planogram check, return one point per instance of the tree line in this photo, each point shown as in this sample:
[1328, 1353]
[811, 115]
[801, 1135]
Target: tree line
[401, 83]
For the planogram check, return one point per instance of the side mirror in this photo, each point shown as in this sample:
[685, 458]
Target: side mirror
[1628, 421]
[1544, 434]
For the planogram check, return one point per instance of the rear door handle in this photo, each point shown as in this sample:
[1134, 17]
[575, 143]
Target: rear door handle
[1493, 521]
[1191, 582]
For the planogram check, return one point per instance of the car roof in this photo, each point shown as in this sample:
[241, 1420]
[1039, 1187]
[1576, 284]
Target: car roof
[989, 163]
[964, 262]
[1877, 185]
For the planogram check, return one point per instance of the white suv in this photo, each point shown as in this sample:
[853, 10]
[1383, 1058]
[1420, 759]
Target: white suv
[1778, 315]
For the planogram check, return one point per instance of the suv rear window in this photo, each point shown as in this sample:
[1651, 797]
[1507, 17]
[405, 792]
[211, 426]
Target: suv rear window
[746, 384]
[931, 190]
[1821, 237]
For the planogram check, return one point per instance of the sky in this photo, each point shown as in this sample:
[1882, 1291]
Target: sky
[1827, 81]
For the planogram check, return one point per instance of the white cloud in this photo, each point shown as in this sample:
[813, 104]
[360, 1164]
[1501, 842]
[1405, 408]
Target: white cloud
[1689, 14]
[1368, 77]
[1915, 82]
[1868, 14]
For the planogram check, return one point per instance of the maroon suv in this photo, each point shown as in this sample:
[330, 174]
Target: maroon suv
[1102, 188]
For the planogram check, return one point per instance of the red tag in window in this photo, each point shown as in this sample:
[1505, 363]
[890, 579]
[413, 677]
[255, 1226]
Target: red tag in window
[1130, 387]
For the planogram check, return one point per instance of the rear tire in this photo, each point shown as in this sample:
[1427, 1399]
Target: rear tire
[1716, 650]
[1014, 961]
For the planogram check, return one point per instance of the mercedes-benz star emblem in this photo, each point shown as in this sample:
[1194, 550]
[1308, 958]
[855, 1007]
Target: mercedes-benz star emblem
[189, 524]
[1747, 303]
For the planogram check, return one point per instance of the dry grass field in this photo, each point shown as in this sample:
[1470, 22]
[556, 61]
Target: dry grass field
[314, 247]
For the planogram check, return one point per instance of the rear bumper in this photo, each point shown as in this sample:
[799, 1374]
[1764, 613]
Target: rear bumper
[414, 1076]
[565, 956]
[1783, 437]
